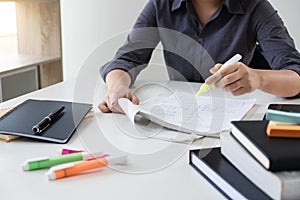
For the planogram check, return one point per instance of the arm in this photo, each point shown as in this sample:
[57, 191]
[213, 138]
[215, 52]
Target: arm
[130, 59]
[285, 83]
[277, 48]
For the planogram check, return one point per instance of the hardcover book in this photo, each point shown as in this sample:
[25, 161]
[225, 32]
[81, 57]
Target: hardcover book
[223, 175]
[278, 185]
[275, 154]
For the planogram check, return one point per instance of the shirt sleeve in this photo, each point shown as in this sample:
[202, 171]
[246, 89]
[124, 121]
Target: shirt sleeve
[277, 46]
[136, 52]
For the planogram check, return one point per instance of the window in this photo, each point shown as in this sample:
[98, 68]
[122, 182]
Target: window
[8, 30]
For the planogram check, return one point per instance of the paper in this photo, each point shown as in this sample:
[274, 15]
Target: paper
[153, 130]
[184, 112]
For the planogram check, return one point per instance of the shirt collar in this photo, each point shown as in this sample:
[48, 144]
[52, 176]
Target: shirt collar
[176, 4]
[233, 6]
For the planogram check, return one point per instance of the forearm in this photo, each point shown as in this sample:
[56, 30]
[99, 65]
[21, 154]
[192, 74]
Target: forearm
[285, 83]
[117, 78]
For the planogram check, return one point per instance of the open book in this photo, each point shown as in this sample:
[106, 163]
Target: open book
[184, 112]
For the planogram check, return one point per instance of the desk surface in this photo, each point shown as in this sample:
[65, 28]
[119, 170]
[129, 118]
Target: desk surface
[156, 169]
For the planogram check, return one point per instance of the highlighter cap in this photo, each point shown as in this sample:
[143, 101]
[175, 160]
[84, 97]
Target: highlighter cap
[50, 175]
[25, 167]
[119, 160]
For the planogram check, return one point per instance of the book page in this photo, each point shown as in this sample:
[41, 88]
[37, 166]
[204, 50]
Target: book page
[153, 130]
[203, 115]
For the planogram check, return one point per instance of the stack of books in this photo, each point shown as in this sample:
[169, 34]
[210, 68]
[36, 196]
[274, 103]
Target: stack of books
[252, 165]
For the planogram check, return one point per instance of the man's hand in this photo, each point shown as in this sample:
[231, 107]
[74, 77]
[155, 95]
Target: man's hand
[110, 102]
[117, 82]
[237, 78]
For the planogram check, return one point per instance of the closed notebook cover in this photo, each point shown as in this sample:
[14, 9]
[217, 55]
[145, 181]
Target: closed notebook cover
[21, 119]
[283, 153]
[224, 169]
[285, 107]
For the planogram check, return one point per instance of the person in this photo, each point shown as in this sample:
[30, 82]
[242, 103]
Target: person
[222, 28]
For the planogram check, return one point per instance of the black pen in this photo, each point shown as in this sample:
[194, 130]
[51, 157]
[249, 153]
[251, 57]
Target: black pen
[46, 121]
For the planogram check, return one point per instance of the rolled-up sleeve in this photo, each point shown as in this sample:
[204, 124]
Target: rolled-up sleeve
[135, 54]
[277, 46]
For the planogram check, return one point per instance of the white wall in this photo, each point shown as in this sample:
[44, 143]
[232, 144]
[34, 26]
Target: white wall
[88, 23]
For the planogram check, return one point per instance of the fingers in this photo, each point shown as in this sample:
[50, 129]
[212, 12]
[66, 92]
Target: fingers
[134, 99]
[239, 91]
[215, 68]
[110, 102]
[103, 107]
[219, 75]
[228, 80]
[236, 78]
[114, 105]
[108, 107]
[238, 88]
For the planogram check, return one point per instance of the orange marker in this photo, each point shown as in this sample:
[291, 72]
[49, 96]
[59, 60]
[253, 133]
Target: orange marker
[70, 169]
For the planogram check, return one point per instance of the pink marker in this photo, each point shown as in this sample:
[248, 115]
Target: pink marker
[70, 150]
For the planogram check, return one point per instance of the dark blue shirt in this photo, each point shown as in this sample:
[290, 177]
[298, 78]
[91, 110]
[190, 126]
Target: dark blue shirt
[191, 49]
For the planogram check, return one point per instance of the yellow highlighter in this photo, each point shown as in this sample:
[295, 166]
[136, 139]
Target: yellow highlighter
[205, 87]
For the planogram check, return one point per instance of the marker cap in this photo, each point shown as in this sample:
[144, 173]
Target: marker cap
[117, 160]
[25, 165]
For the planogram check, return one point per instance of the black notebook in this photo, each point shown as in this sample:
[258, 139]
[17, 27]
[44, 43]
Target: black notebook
[223, 175]
[21, 119]
[275, 154]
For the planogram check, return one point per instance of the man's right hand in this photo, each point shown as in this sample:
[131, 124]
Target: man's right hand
[117, 82]
[110, 102]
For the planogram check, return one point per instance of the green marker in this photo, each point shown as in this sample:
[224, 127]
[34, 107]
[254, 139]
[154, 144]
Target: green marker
[46, 162]
[205, 87]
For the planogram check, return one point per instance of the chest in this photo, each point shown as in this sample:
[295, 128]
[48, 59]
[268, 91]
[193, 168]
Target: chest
[223, 33]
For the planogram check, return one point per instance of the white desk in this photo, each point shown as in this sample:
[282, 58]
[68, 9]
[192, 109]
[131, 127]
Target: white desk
[156, 170]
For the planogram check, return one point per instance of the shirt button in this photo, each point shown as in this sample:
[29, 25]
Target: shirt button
[200, 40]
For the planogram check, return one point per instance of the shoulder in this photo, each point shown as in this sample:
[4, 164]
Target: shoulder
[263, 6]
